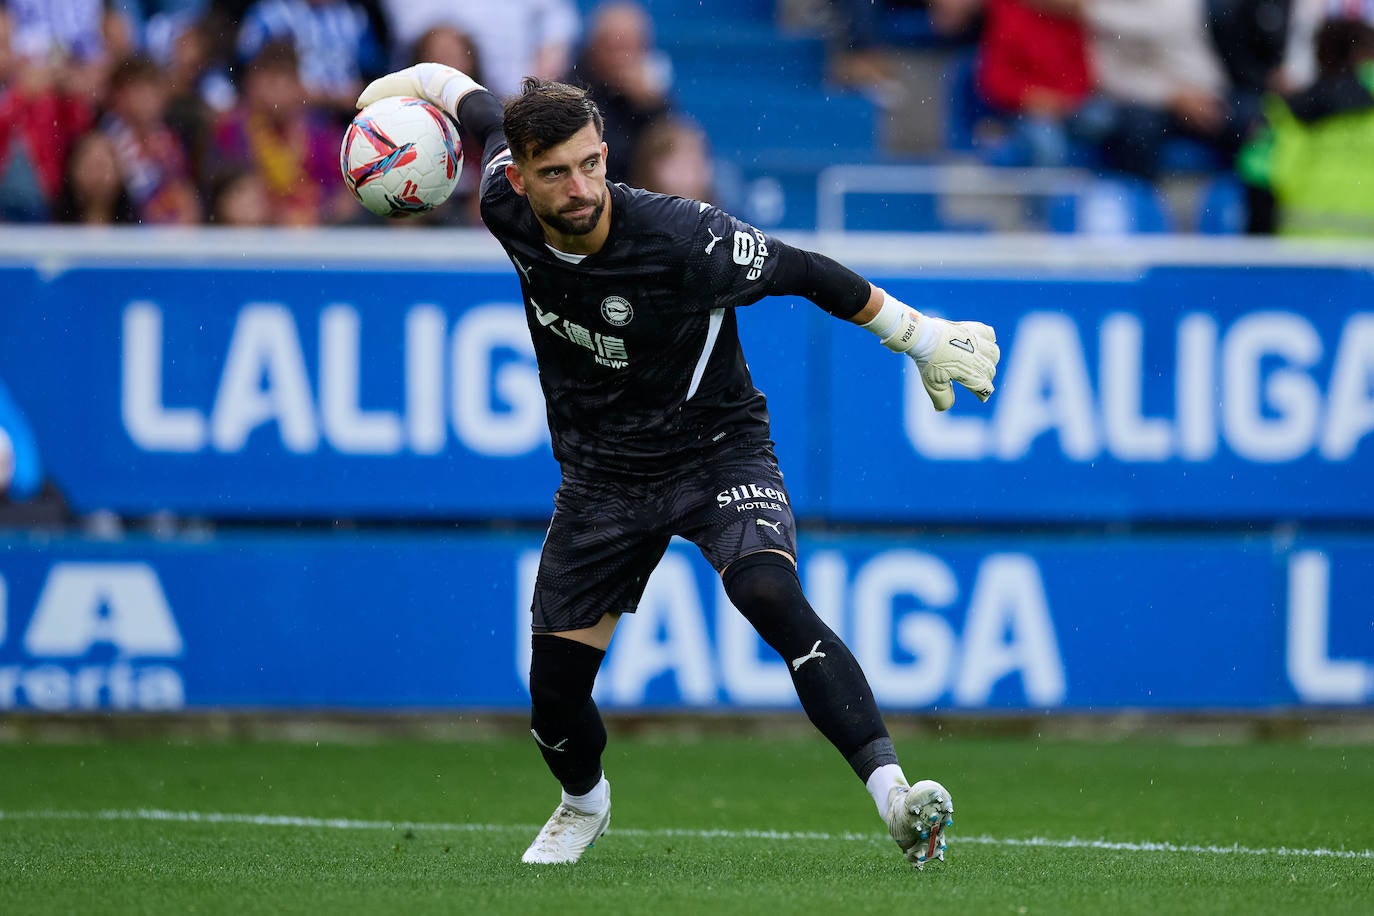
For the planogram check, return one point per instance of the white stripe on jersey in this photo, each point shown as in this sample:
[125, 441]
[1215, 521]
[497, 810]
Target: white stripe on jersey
[712, 330]
[500, 160]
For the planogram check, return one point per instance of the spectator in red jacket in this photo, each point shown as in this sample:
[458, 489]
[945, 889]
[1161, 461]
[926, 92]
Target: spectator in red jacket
[1033, 67]
[40, 120]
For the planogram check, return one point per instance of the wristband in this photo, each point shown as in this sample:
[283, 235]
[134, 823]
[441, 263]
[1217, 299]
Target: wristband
[902, 329]
[445, 85]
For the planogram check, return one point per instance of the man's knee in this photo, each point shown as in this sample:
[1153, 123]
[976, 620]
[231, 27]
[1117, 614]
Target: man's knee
[562, 672]
[763, 583]
[766, 590]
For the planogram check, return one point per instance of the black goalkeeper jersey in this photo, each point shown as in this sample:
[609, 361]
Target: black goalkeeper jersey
[638, 350]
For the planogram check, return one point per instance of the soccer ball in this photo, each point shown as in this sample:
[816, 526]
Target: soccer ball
[401, 156]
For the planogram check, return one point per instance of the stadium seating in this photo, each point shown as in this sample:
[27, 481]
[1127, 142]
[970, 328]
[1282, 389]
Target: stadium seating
[762, 98]
[1221, 208]
[1111, 206]
[967, 116]
[762, 95]
[775, 126]
[670, 14]
[964, 107]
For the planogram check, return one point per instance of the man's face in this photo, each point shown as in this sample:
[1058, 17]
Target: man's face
[566, 185]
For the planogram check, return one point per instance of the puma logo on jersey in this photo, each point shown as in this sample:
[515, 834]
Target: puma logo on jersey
[545, 318]
[559, 746]
[714, 238]
[796, 662]
[965, 345]
[524, 271]
[776, 526]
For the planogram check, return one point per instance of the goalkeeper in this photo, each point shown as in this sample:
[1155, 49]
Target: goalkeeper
[630, 298]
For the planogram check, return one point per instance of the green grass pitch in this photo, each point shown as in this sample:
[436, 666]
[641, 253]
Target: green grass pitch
[700, 824]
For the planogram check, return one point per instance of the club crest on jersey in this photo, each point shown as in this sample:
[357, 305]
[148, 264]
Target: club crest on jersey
[617, 311]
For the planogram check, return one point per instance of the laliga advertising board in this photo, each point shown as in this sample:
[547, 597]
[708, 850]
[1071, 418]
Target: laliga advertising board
[1228, 405]
[950, 623]
[1166, 393]
[1186, 393]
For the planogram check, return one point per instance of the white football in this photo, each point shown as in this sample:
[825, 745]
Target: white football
[401, 156]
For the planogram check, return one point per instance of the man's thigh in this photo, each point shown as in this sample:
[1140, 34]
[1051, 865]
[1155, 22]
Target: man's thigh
[601, 547]
[737, 506]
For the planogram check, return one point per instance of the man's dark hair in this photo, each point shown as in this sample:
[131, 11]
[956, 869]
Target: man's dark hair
[545, 114]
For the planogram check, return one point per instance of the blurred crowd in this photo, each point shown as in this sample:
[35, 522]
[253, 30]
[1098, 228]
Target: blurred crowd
[230, 112]
[1278, 92]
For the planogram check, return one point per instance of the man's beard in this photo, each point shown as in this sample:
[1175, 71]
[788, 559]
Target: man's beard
[579, 225]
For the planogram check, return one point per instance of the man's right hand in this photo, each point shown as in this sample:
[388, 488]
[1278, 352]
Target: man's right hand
[437, 84]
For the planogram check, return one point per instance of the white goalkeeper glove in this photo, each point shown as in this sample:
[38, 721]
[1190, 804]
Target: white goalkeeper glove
[945, 351]
[437, 84]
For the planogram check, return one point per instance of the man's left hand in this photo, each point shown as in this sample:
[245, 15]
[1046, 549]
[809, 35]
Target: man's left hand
[965, 352]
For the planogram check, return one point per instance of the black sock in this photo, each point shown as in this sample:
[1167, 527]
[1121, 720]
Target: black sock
[829, 682]
[563, 717]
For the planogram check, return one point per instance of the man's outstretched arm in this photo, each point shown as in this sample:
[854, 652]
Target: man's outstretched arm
[944, 351]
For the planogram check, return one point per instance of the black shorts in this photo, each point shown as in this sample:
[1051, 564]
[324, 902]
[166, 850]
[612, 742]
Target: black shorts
[607, 536]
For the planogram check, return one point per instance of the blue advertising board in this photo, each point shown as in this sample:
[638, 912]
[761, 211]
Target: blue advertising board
[1180, 393]
[322, 390]
[284, 392]
[977, 623]
[292, 392]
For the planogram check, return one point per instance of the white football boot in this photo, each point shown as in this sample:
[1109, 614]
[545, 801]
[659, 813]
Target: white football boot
[917, 817]
[566, 835]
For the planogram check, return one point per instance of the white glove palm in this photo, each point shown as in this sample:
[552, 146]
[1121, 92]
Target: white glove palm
[437, 84]
[965, 352]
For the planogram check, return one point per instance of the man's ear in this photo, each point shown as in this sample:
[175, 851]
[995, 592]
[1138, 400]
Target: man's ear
[516, 180]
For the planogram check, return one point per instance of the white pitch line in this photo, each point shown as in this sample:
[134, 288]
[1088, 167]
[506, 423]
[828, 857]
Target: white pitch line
[339, 823]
